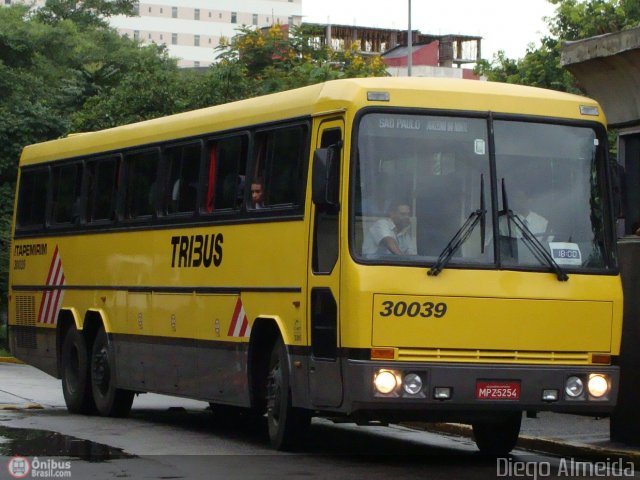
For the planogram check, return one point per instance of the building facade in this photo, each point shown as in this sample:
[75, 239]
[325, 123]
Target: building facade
[192, 29]
[447, 56]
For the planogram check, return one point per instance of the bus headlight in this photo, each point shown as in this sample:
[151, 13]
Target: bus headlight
[574, 387]
[386, 381]
[412, 383]
[597, 385]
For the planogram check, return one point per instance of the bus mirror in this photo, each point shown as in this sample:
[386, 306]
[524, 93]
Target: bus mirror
[325, 176]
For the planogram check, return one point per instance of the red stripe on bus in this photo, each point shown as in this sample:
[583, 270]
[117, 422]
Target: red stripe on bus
[46, 295]
[245, 324]
[57, 278]
[234, 318]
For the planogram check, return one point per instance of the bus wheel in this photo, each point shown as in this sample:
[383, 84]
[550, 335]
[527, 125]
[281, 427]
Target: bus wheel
[76, 385]
[287, 425]
[110, 401]
[498, 437]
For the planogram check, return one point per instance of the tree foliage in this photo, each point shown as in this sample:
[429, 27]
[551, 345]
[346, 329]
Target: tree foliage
[129, 85]
[51, 75]
[84, 13]
[572, 20]
[272, 60]
[577, 19]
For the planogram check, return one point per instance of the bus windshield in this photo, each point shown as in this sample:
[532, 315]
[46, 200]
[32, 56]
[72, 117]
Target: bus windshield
[424, 183]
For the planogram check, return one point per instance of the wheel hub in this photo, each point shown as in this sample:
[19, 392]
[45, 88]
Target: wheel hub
[101, 372]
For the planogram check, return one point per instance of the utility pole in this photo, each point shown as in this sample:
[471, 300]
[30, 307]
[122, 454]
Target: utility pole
[409, 44]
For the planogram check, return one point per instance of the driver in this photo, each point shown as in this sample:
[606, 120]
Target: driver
[392, 234]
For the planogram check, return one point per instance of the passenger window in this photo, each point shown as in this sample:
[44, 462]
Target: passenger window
[225, 174]
[32, 199]
[141, 184]
[67, 183]
[181, 191]
[279, 160]
[102, 180]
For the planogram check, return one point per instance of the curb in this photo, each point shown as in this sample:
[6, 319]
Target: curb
[10, 360]
[544, 445]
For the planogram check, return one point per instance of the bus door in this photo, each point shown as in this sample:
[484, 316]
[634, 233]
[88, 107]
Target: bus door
[325, 375]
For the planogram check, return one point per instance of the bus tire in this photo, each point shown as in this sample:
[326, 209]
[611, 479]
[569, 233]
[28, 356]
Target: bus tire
[498, 437]
[287, 425]
[76, 384]
[110, 401]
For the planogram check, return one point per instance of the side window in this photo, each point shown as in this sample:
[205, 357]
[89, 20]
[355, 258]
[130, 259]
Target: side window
[141, 184]
[102, 181]
[225, 174]
[181, 191]
[32, 199]
[278, 169]
[67, 182]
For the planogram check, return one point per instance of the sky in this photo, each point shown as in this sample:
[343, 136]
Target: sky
[508, 25]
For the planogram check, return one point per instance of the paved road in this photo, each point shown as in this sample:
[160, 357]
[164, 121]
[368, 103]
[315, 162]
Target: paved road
[168, 437]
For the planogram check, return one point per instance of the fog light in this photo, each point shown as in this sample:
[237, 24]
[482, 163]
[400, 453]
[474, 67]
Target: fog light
[598, 385]
[574, 387]
[442, 393]
[386, 381]
[550, 395]
[412, 383]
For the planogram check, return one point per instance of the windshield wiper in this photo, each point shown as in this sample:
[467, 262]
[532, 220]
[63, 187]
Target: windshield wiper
[533, 244]
[461, 236]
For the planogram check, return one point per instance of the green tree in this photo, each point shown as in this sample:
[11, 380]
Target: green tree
[30, 101]
[130, 85]
[85, 13]
[62, 76]
[572, 20]
[274, 59]
[576, 19]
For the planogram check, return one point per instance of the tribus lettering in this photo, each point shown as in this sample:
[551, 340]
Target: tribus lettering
[196, 250]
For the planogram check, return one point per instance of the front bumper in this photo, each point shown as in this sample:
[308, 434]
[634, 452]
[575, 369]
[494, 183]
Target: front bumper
[462, 379]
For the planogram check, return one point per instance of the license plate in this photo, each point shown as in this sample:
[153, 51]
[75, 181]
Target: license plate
[497, 390]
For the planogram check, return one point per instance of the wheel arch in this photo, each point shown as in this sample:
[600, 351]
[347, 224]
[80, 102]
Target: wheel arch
[88, 326]
[264, 333]
[93, 320]
[67, 318]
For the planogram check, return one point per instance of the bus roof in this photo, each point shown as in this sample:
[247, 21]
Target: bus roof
[346, 95]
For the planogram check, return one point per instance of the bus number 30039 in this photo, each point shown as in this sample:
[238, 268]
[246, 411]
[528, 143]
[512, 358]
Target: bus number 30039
[413, 309]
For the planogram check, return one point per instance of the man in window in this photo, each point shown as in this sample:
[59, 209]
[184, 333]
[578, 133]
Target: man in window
[257, 193]
[391, 235]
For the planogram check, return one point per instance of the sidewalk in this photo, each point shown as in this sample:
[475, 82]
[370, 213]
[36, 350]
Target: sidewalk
[558, 434]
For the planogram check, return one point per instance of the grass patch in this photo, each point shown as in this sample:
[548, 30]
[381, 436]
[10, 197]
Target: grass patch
[5, 353]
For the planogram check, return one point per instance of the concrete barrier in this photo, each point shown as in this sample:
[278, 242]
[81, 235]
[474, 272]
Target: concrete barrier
[625, 421]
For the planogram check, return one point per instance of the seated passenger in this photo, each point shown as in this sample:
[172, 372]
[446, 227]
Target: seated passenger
[391, 235]
[257, 193]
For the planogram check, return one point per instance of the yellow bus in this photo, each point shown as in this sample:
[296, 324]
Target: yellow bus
[374, 250]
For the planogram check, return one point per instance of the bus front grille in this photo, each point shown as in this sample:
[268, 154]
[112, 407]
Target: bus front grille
[492, 356]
